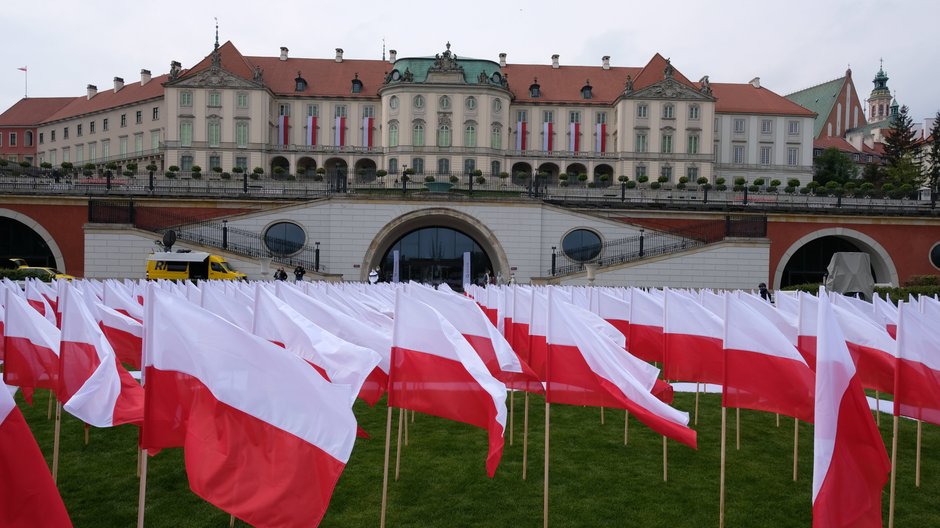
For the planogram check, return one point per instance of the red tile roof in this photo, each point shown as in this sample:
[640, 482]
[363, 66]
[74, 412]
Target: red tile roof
[104, 100]
[32, 111]
[834, 142]
[654, 71]
[563, 84]
[746, 99]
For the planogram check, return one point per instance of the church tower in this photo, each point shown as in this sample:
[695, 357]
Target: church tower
[879, 102]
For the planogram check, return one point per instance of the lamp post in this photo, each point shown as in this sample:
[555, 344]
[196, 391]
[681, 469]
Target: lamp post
[245, 181]
[404, 178]
[224, 234]
[554, 257]
[641, 241]
[316, 256]
[151, 181]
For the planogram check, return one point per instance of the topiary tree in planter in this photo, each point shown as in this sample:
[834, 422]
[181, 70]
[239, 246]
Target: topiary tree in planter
[429, 178]
[753, 188]
[563, 177]
[604, 179]
[226, 176]
[662, 179]
[279, 173]
[623, 178]
[759, 182]
[481, 180]
[655, 185]
[237, 170]
[196, 172]
[381, 173]
[130, 167]
[43, 165]
[152, 167]
[66, 166]
[256, 173]
[683, 181]
[476, 173]
[170, 174]
[217, 170]
[454, 179]
[793, 182]
[582, 177]
[702, 180]
[789, 189]
[643, 179]
[24, 164]
[503, 175]
[112, 166]
[775, 183]
[631, 184]
[88, 169]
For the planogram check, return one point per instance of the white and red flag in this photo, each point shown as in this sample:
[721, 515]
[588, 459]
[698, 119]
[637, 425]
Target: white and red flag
[265, 436]
[367, 128]
[311, 130]
[125, 334]
[31, 348]
[339, 131]
[92, 384]
[850, 464]
[692, 336]
[547, 136]
[586, 367]
[872, 348]
[601, 132]
[574, 137]
[763, 370]
[917, 377]
[887, 313]
[283, 128]
[520, 135]
[40, 301]
[28, 496]
[437, 372]
[115, 297]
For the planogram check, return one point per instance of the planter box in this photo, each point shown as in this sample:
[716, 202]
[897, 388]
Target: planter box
[438, 187]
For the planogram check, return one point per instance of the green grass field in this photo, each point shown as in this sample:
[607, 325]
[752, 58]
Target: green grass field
[595, 479]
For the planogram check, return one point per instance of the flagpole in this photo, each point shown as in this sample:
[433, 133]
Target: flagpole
[49, 411]
[626, 426]
[545, 483]
[665, 464]
[737, 428]
[602, 415]
[696, 402]
[877, 409]
[796, 440]
[401, 425]
[388, 442]
[142, 490]
[512, 412]
[894, 473]
[721, 477]
[231, 521]
[778, 419]
[405, 422]
[525, 436]
[55, 441]
[87, 433]
[917, 463]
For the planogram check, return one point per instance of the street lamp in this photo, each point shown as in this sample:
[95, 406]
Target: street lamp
[554, 257]
[316, 256]
[404, 178]
[641, 241]
[224, 234]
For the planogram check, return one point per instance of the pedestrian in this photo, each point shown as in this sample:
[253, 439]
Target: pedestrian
[280, 274]
[765, 293]
[299, 272]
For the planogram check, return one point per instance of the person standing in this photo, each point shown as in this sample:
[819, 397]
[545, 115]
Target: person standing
[299, 273]
[280, 274]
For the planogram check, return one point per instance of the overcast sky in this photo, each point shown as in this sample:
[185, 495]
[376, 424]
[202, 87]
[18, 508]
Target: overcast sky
[790, 46]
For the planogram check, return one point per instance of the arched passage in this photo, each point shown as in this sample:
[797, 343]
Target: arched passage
[365, 170]
[23, 237]
[807, 258]
[603, 170]
[548, 174]
[306, 166]
[279, 162]
[521, 173]
[336, 171]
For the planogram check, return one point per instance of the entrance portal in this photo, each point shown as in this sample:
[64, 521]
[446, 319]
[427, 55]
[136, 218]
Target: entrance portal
[433, 255]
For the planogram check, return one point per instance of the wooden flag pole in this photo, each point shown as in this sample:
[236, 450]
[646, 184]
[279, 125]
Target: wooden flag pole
[388, 442]
[55, 441]
[626, 426]
[525, 436]
[665, 464]
[49, 410]
[877, 409]
[401, 425]
[87, 433]
[545, 483]
[894, 464]
[413, 416]
[737, 429]
[778, 419]
[602, 415]
[405, 423]
[721, 477]
[142, 490]
[696, 403]
[138, 462]
[512, 412]
[231, 521]
[796, 441]
[917, 455]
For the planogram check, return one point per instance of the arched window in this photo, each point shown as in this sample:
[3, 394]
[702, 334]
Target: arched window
[496, 136]
[417, 134]
[393, 134]
[470, 135]
[443, 136]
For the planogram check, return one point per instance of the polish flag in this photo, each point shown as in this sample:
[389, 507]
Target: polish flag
[508, 296]
[339, 133]
[39, 302]
[917, 377]
[547, 136]
[29, 497]
[520, 135]
[349, 328]
[437, 372]
[692, 348]
[646, 326]
[850, 464]
[787, 324]
[122, 301]
[499, 358]
[247, 412]
[125, 334]
[615, 311]
[887, 313]
[601, 132]
[872, 348]
[521, 318]
[311, 130]
[574, 137]
[237, 311]
[806, 338]
[2, 318]
[588, 368]
[538, 333]
[93, 385]
[763, 370]
[31, 347]
[283, 130]
[338, 360]
[367, 131]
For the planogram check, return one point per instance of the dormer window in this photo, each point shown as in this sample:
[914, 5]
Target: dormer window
[586, 91]
[356, 84]
[299, 83]
[535, 90]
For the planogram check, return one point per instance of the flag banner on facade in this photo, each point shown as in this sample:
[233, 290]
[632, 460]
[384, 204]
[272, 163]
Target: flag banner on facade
[367, 123]
[547, 136]
[520, 135]
[601, 137]
[311, 130]
[339, 138]
[282, 134]
[395, 271]
[574, 137]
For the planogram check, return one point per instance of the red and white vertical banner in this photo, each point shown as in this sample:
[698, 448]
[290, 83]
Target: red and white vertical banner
[547, 138]
[601, 131]
[311, 130]
[367, 131]
[520, 135]
[339, 138]
[282, 127]
[574, 137]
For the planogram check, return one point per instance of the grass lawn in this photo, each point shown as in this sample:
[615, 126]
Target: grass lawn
[595, 479]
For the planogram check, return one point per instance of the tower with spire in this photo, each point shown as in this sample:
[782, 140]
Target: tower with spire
[879, 102]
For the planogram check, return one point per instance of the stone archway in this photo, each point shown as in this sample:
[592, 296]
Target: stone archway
[881, 262]
[39, 230]
[306, 167]
[603, 170]
[365, 170]
[280, 167]
[521, 173]
[435, 217]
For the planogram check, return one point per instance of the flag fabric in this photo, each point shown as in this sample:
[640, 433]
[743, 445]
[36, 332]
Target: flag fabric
[283, 127]
[311, 130]
[2, 318]
[588, 368]
[917, 377]
[367, 127]
[646, 326]
[122, 301]
[248, 413]
[339, 133]
[93, 385]
[39, 302]
[28, 496]
[601, 131]
[547, 136]
[31, 347]
[806, 337]
[436, 371]
[873, 350]
[763, 369]
[520, 135]
[692, 349]
[574, 137]
[850, 464]
[124, 333]
[22, 69]
[887, 313]
[521, 319]
[786, 323]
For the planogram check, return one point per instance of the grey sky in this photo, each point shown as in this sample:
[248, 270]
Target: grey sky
[789, 45]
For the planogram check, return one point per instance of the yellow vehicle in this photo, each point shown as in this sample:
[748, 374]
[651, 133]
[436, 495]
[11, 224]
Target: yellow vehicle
[190, 265]
[47, 274]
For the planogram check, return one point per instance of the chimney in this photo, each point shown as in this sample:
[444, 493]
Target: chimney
[118, 84]
[755, 82]
[144, 77]
[283, 53]
[339, 54]
[92, 90]
[555, 65]
[502, 60]
[605, 62]
[392, 56]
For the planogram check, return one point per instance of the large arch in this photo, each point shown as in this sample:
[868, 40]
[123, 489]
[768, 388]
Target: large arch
[365, 170]
[521, 173]
[881, 262]
[60, 263]
[306, 166]
[280, 161]
[435, 217]
[550, 171]
[601, 170]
